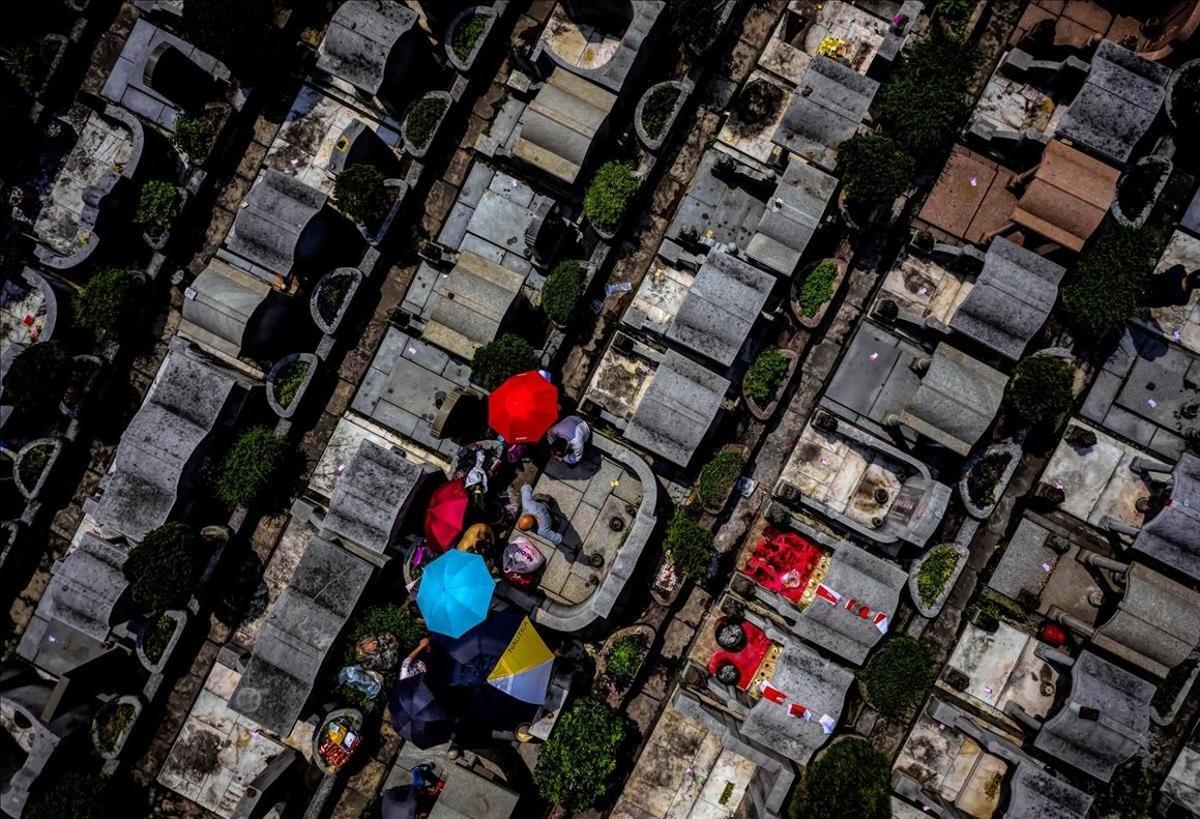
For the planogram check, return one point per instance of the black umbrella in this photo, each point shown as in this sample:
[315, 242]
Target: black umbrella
[478, 650]
[418, 715]
[399, 803]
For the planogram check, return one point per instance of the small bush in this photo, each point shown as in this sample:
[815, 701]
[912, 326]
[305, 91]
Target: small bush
[956, 11]
[233, 30]
[576, 764]
[160, 568]
[107, 300]
[158, 205]
[33, 464]
[467, 35]
[874, 169]
[360, 194]
[249, 471]
[560, 294]
[1110, 280]
[718, 476]
[925, 102]
[692, 21]
[897, 676]
[193, 136]
[288, 382]
[851, 778]
[625, 658]
[609, 194]
[1129, 795]
[818, 287]
[109, 729]
[156, 640]
[75, 794]
[1041, 388]
[983, 477]
[422, 119]
[935, 573]
[765, 375]
[37, 378]
[658, 109]
[497, 360]
[689, 546]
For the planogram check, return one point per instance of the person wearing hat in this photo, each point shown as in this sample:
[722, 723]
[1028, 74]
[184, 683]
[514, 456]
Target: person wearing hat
[536, 517]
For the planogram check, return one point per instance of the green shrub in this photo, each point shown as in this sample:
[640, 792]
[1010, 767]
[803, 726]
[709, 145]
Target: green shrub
[288, 382]
[1129, 795]
[925, 101]
[560, 294]
[160, 568]
[158, 205]
[193, 136]
[818, 287]
[1041, 388]
[233, 30]
[107, 300]
[109, 729]
[360, 194]
[422, 119]
[249, 471]
[576, 764]
[37, 378]
[765, 375]
[467, 35]
[717, 478]
[851, 778]
[33, 464]
[984, 475]
[497, 360]
[897, 676]
[1110, 280]
[658, 109]
[158, 637]
[609, 194]
[689, 546]
[692, 21]
[956, 11]
[935, 572]
[874, 169]
[624, 658]
[74, 793]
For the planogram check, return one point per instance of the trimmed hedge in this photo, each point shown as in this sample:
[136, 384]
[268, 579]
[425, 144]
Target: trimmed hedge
[1110, 280]
[718, 477]
[160, 568]
[249, 471]
[925, 102]
[764, 376]
[818, 287]
[624, 658]
[158, 205]
[37, 378]
[359, 192]
[609, 194]
[107, 300]
[497, 360]
[575, 766]
[422, 119]
[898, 675]
[1041, 388]
[851, 778]
[874, 169]
[689, 545]
[560, 294]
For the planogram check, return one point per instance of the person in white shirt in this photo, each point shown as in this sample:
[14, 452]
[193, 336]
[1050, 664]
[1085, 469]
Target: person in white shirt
[568, 439]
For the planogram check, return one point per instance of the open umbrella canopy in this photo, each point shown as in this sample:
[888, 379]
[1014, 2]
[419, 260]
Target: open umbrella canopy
[455, 592]
[417, 714]
[478, 650]
[523, 407]
[523, 670]
[445, 514]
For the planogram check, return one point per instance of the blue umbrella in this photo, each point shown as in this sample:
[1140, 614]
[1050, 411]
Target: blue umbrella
[417, 714]
[455, 592]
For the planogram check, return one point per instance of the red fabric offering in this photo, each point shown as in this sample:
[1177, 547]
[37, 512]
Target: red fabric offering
[783, 562]
[748, 659]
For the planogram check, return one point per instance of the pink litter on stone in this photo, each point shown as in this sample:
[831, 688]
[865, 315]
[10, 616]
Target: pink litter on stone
[1045, 567]
[1152, 403]
[873, 356]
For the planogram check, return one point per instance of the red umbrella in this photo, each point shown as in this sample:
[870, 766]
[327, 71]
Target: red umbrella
[444, 517]
[523, 407]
